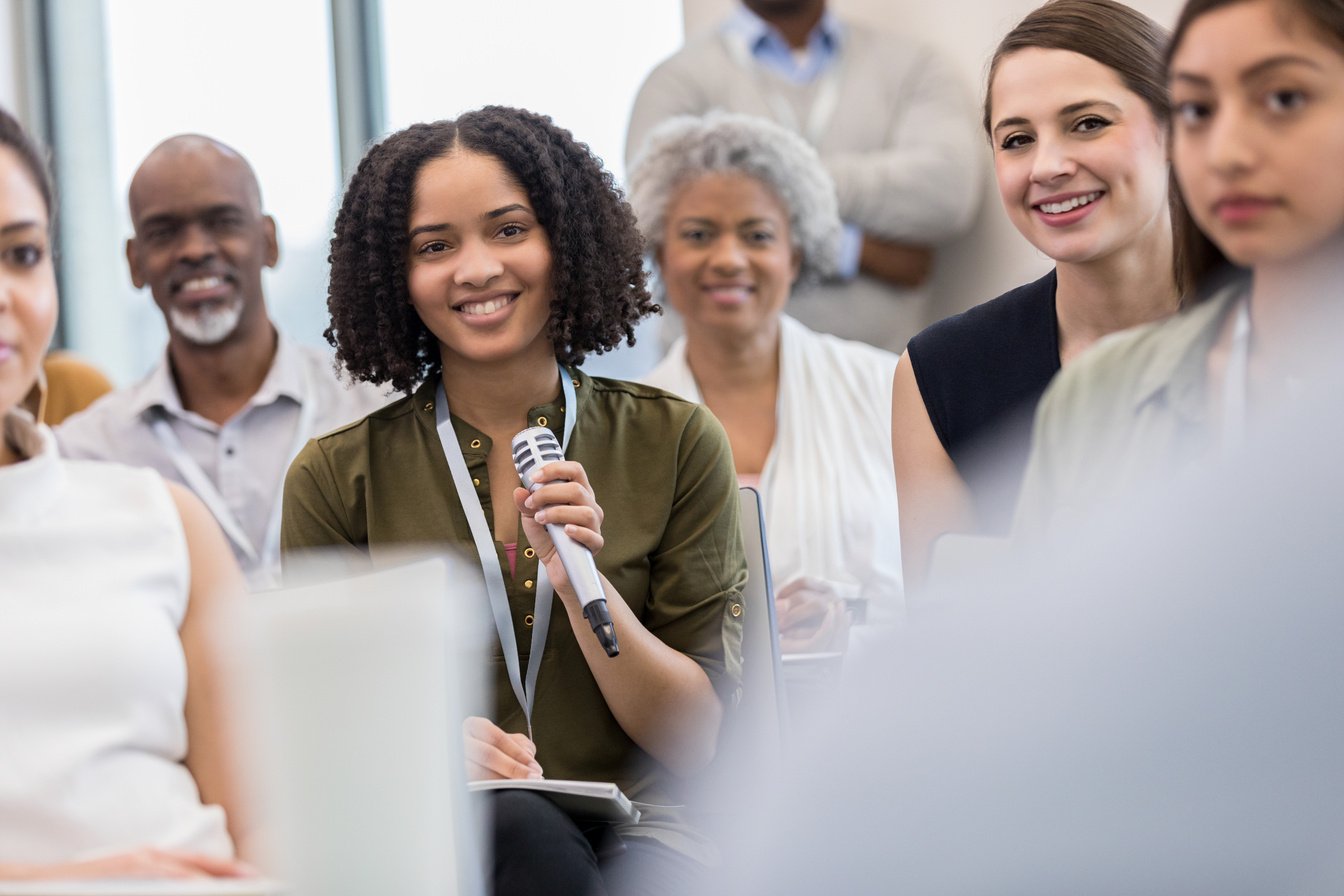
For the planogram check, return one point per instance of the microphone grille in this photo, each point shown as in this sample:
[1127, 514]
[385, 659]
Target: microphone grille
[533, 447]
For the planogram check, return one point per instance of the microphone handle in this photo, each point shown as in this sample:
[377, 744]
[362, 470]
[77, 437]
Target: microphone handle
[579, 564]
[587, 584]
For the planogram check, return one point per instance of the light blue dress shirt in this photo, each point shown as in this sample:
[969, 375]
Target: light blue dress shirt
[768, 47]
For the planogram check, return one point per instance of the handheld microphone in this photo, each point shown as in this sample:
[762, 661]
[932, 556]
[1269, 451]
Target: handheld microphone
[533, 447]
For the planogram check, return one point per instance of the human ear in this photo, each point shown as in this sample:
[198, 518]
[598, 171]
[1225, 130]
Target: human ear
[272, 241]
[133, 262]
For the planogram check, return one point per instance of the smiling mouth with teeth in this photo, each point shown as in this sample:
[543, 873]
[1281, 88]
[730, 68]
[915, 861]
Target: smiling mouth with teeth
[479, 308]
[201, 283]
[1068, 205]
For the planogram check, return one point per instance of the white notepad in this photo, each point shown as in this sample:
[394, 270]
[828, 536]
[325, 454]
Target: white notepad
[596, 800]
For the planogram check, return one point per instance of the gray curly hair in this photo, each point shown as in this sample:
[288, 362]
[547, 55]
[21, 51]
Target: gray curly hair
[684, 148]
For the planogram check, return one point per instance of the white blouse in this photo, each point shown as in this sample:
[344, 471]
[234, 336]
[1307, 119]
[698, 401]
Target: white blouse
[828, 486]
[94, 581]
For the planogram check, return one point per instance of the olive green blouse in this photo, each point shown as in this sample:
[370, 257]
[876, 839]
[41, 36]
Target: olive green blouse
[661, 469]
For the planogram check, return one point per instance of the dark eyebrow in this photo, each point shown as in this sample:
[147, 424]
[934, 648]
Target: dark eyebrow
[426, 228]
[1261, 68]
[16, 226]
[1014, 122]
[1070, 109]
[1073, 108]
[501, 212]
[1255, 71]
[488, 216]
[174, 217]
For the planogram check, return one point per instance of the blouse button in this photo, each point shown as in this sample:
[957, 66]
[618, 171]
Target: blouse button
[736, 610]
[541, 421]
[529, 553]
[475, 443]
[576, 383]
[429, 405]
[527, 620]
[528, 583]
[476, 482]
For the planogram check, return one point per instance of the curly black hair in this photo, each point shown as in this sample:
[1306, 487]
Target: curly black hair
[597, 275]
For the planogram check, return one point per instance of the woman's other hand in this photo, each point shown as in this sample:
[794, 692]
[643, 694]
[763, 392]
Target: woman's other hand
[493, 753]
[144, 863]
[811, 615]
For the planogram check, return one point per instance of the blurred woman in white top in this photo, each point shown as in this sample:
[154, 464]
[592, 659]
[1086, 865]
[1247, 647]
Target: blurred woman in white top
[115, 760]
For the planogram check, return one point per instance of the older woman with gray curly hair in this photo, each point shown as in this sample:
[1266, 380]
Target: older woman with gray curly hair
[735, 212]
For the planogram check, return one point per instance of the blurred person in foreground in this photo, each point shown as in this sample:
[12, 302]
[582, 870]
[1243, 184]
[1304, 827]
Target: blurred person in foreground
[233, 399]
[1150, 703]
[475, 263]
[1076, 111]
[1257, 95]
[737, 212]
[1147, 704]
[111, 724]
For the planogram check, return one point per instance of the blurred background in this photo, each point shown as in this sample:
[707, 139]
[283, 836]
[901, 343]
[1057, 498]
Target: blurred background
[301, 87]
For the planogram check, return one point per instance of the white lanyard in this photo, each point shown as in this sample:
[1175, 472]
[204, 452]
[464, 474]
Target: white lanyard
[263, 560]
[823, 104]
[1236, 378]
[483, 536]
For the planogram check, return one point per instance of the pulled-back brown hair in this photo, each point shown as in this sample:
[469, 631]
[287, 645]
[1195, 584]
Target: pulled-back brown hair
[13, 136]
[1128, 43]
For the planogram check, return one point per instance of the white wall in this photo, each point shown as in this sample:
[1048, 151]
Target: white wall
[993, 257]
[11, 55]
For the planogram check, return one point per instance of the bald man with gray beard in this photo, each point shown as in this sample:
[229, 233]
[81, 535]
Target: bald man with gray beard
[233, 400]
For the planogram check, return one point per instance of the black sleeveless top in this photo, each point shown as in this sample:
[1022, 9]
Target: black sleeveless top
[981, 374]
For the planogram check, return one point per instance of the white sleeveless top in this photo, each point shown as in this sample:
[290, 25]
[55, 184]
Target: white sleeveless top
[94, 580]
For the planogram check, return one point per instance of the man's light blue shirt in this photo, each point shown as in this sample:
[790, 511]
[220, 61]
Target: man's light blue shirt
[767, 46]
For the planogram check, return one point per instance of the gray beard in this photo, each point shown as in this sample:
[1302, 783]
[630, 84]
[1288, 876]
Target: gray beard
[210, 325]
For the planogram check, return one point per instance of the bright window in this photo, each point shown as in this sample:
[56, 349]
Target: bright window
[579, 62]
[256, 75]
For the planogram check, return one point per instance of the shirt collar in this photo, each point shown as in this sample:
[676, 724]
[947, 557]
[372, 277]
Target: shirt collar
[551, 415]
[760, 37]
[284, 379]
[1178, 376]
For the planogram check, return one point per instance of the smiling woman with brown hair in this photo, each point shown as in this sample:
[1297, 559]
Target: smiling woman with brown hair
[1076, 112]
[1257, 94]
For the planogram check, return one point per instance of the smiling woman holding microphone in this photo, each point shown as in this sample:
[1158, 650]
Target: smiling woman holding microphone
[475, 263]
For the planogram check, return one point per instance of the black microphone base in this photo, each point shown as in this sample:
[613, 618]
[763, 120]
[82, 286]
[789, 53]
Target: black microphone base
[598, 616]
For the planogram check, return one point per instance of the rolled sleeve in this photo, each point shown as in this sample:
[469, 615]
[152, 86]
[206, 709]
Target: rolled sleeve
[699, 569]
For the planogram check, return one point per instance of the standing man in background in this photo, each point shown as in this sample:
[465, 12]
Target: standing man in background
[891, 122]
[233, 400]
